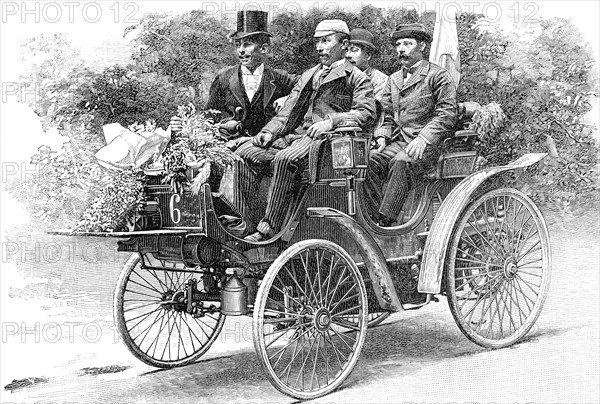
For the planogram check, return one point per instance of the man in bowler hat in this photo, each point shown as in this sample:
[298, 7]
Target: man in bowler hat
[326, 95]
[419, 106]
[361, 49]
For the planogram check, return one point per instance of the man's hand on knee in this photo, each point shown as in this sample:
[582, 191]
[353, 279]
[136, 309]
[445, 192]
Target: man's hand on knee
[319, 127]
[262, 139]
[416, 148]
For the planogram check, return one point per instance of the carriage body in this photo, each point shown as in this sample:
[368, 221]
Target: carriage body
[332, 271]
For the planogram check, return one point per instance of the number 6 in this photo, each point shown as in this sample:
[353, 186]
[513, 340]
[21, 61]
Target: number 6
[175, 213]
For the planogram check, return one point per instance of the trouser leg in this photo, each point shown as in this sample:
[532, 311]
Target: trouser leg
[248, 172]
[375, 180]
[376, 177]
[214, 179]
[398, 185]
[287, 167]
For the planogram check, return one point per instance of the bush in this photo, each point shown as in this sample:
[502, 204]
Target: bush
[541, 75]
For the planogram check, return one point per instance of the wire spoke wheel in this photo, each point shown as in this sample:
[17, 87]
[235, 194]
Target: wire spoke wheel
[498, 270]
[150, 313]
[310, 319]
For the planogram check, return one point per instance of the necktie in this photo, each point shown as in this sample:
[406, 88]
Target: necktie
[324, 72]
[251, 85]
[406, 72]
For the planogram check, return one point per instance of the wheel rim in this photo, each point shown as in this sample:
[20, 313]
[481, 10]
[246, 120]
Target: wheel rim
[376, 318]
[311, 319]
[373, 318]
[499, 268]
[152, 321]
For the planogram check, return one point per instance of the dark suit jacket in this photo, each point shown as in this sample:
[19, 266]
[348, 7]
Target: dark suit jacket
[424, 105]
[227, 93]
[345, 94]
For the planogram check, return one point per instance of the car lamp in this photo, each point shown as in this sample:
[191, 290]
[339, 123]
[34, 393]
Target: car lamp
[348, 151]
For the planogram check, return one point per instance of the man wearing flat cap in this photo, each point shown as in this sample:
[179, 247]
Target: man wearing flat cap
[326, 95]
[419, 105]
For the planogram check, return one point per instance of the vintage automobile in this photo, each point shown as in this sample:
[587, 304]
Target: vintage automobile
[331, 272]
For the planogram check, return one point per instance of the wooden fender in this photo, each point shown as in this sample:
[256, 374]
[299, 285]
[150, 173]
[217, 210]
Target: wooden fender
[436, 246]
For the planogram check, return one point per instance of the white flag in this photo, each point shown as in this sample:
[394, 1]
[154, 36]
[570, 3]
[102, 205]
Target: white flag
[444, 47]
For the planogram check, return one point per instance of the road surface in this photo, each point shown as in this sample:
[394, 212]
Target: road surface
[59, 344]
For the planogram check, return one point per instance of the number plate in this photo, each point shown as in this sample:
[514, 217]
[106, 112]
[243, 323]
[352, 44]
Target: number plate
[178, 210]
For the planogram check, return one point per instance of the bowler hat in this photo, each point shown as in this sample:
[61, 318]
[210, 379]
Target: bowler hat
[328, 27]
[416, 31]
[250, 22]
[362, 37]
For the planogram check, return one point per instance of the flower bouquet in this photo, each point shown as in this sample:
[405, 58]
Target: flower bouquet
[186, 162]
[488, 120]
[196, 151]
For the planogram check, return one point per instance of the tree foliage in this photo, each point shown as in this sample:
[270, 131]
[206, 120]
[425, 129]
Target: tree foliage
[540, 74]
[542, 77]
[293, 43]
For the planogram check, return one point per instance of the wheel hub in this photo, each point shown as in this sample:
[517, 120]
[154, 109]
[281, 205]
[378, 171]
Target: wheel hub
[510, 268]
[174, 300]
[322, 320]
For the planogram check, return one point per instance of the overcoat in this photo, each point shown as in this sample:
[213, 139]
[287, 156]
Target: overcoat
[424, 105]
[227, 93]
[345, 94]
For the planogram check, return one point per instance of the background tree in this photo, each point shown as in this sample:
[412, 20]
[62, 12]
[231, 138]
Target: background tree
[541, 74]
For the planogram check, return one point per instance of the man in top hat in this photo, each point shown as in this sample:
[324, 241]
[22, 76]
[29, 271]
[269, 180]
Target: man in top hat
[249, 91]
[326, 95]
[419, 105]
[248, 94]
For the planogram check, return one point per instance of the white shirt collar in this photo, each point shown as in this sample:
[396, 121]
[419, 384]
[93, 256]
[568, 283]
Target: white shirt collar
[258, 72]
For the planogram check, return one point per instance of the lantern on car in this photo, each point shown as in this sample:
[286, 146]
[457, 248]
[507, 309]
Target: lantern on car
[349, 151]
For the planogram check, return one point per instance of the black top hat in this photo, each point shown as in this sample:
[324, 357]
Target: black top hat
[251, 23]
[416, 31]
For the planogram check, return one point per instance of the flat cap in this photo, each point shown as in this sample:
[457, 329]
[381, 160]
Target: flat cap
[416, 31]
[328, 27]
